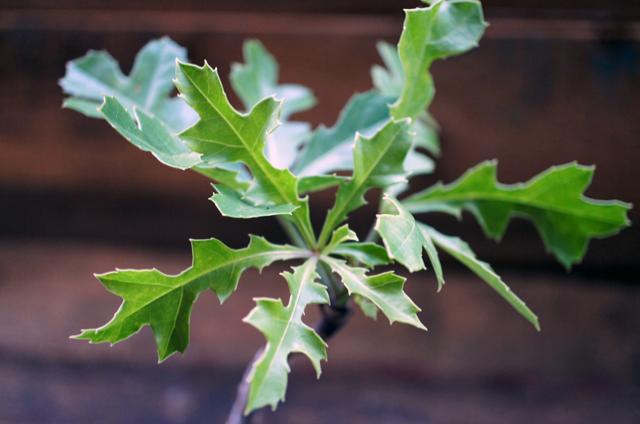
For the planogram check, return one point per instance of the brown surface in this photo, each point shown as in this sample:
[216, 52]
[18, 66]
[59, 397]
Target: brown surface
[536, 93]
[622, 9]
[478, 352]
[553, 81]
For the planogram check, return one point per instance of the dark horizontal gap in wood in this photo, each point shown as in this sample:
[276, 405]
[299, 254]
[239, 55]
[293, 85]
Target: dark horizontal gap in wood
[168, 221]
[619, 7]
[527, 27]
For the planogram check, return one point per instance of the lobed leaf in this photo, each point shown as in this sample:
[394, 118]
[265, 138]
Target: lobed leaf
[339, 236]
[404, 239]
[97, 75]
[389, 82]
[444, 29]
[552, 200]
[164, 302]
[139, 106]
[368, 308]
[224, 135]
[463, 253]
[330, 149]
[378, 162]
[149, 134]
[367, 253]
[230, 203]
[384, 290]
[257, 79]
[318, 182]
[388, 79]
[285, 333]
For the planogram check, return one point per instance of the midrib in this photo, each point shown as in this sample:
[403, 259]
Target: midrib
[504, 198]
[289, 255]
[363, 286]
[311, 265]
[258, 160]
[360, 185]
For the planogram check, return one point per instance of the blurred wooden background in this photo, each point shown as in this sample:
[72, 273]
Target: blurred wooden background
[552, 81]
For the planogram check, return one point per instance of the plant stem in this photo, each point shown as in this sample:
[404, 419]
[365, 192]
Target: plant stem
[333, 319]
[292, 232]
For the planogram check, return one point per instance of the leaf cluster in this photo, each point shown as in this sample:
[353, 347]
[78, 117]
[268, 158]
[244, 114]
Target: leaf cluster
[262, 162]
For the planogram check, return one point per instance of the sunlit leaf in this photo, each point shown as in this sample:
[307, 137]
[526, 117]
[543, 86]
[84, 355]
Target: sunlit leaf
[164, 301]
[404, 239]
[285, 333]
[553, 201]
[463, 253]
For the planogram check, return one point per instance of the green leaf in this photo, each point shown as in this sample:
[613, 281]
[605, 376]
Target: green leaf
[553, 200]
[139, 106]
[97, 75]
[444, 29]
[232, 175]
[339, 236]
[224, 135]
[164, 302]
[330, 149]
[404, 239]
[378, 162]
[426, 131]
[231, 204]
[318, 182]
[383, 290]
[368, 308]
[258, 78]
[285, 333]
[367, 253]
[390, 80]
[417, 163]
[149, 134]
[284, 143]
[463, 253]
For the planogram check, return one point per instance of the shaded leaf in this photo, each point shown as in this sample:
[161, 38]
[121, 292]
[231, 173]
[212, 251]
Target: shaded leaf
[284, 143]
[330, 149]
[97, 75]
[388, 79]
[553, 200]
[367, 253]
[149, 134]
[257, 79]
[232, 175]
[230, 203]
[318, 183]
[164, 302]
[285, 333]
[139, 106]
[368, 308]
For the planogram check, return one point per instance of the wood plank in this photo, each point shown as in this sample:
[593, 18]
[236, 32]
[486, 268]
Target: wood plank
[528, 101]
[619, 8]
[479, 362]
